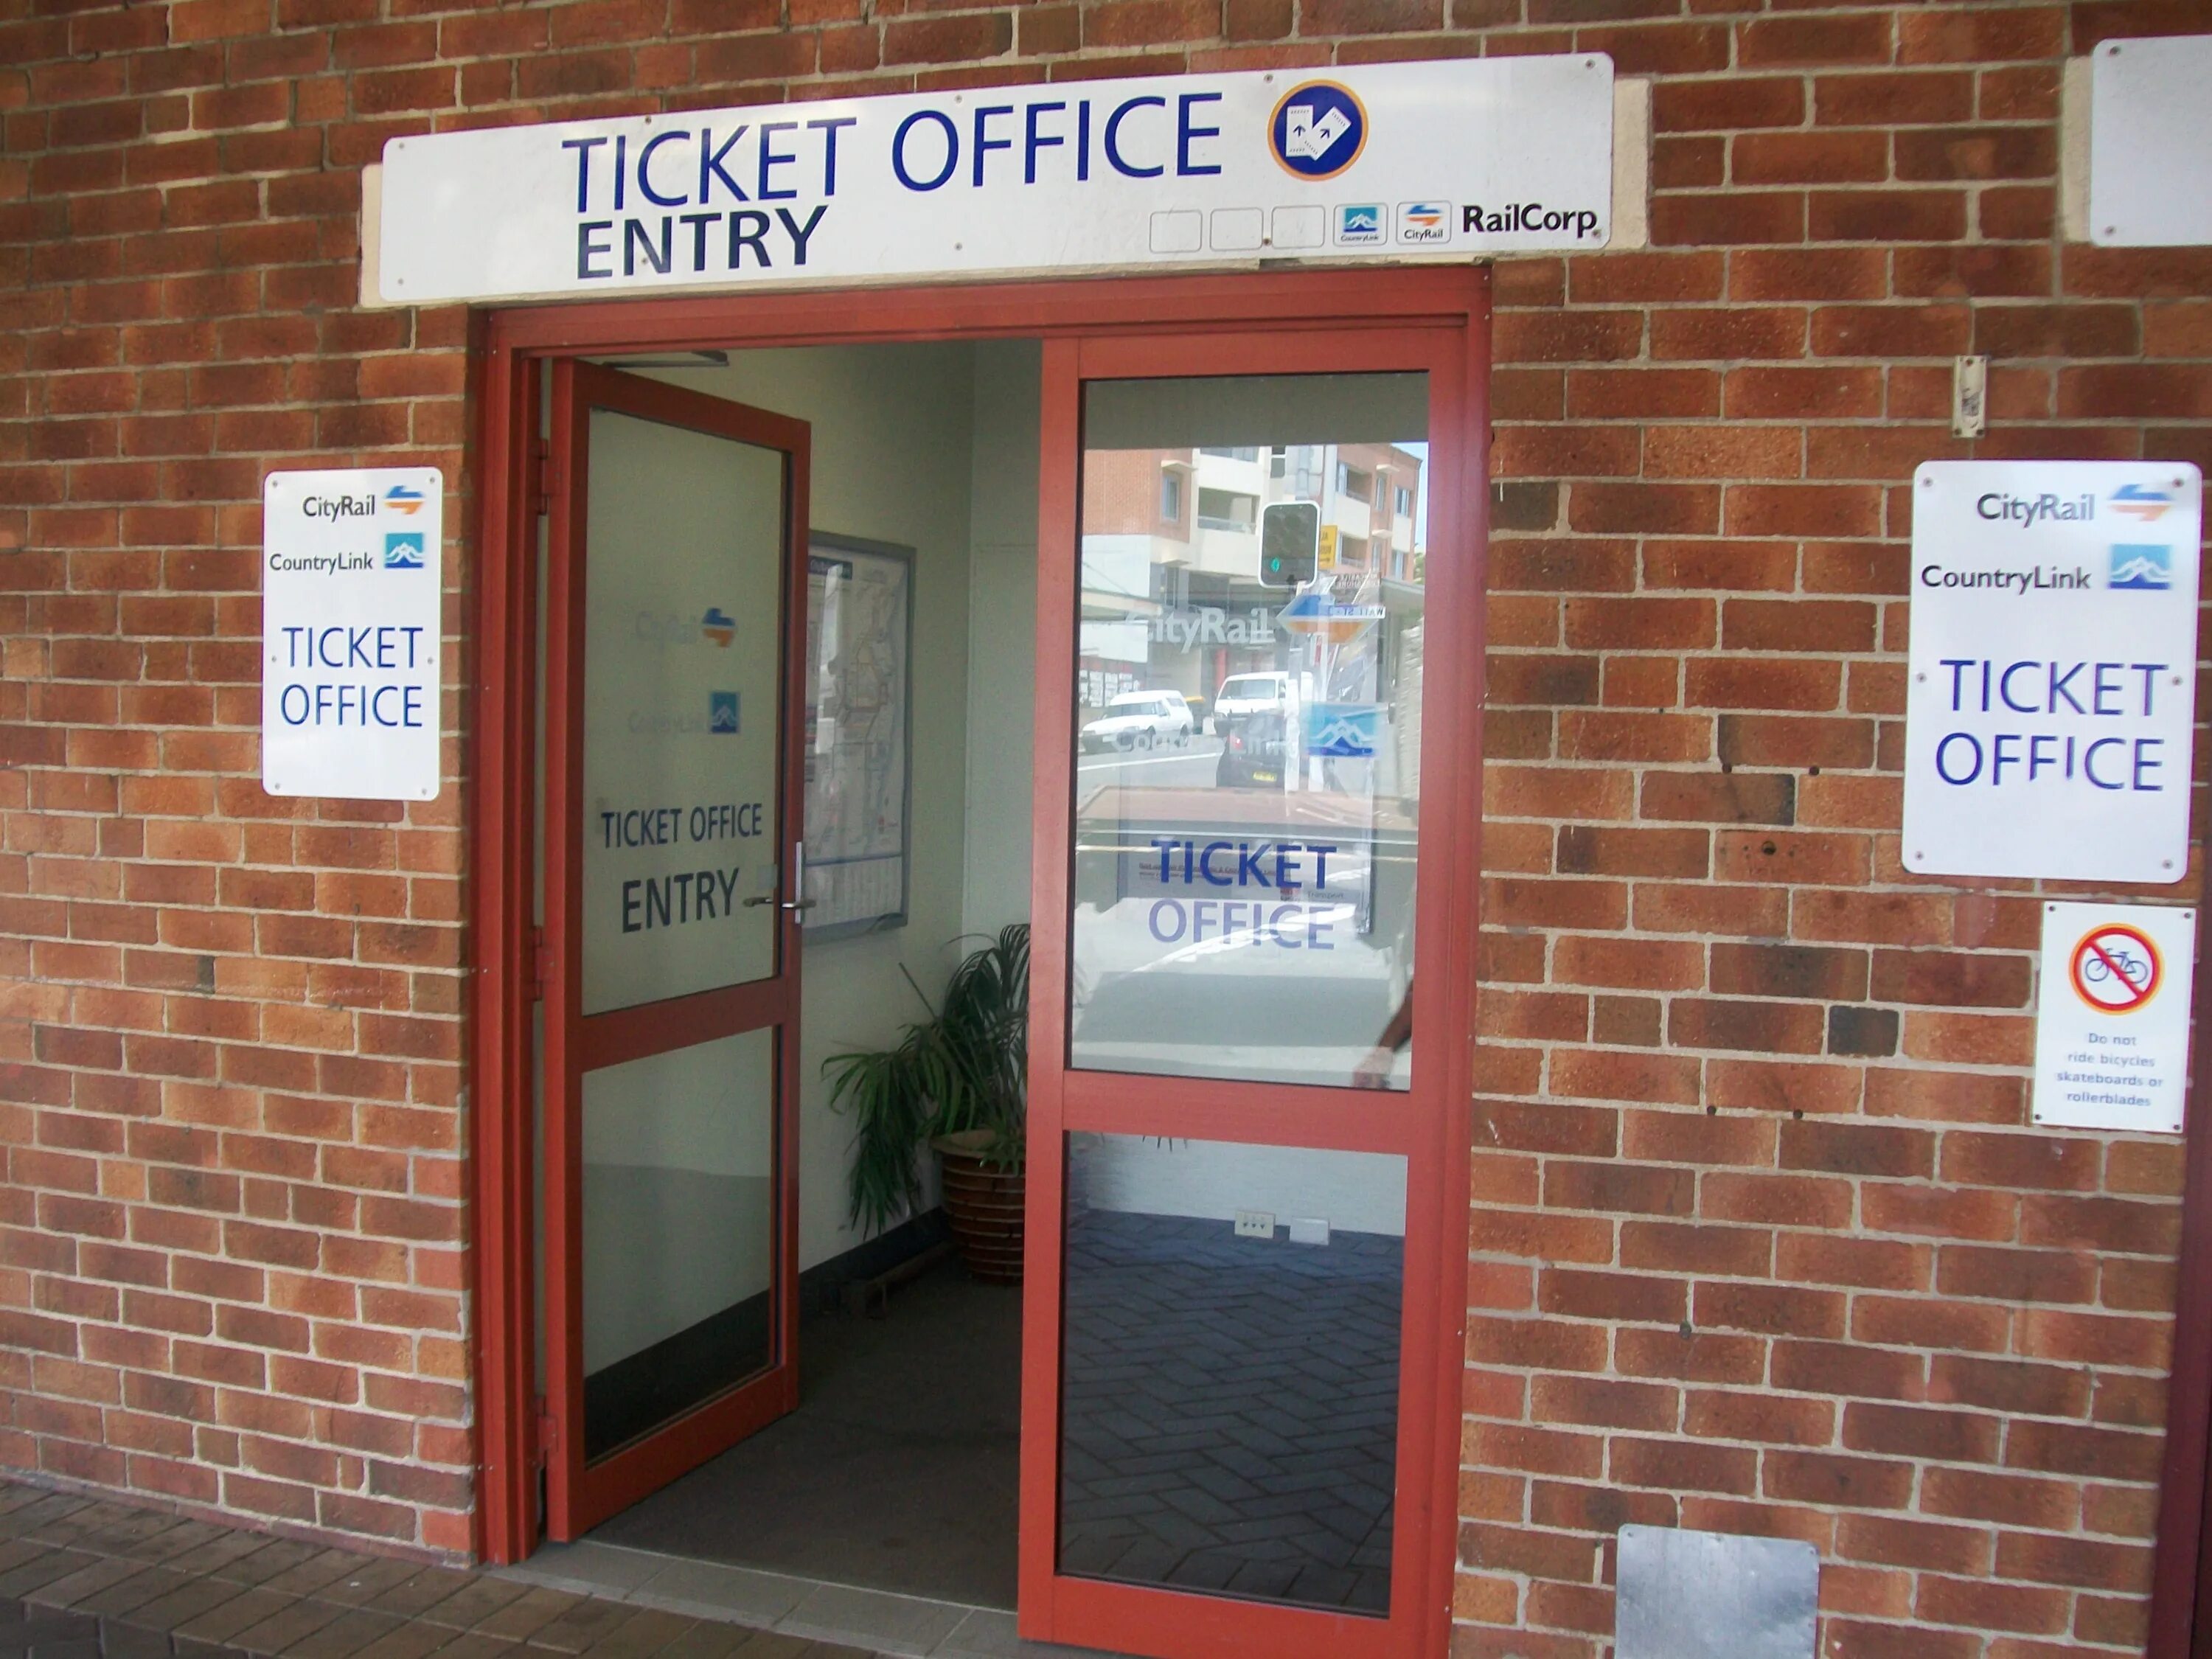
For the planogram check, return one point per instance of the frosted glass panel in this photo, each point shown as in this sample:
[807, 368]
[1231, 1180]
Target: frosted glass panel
[1248, 732]
[683, 658]
[1229, 1409]
[679, 1231]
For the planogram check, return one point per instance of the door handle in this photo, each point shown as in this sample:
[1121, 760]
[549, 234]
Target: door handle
[799, 901]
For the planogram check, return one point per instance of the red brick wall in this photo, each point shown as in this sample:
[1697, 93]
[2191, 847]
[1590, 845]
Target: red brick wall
[1763, 1241]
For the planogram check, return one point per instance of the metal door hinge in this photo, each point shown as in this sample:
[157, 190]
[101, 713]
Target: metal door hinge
[538, 964]
[549, 1434]
[540, 478]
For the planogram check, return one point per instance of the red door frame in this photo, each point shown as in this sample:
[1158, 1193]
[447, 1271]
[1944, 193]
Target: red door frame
[2181, 1572]
[581, 1494]
[1426, 1125]
[1451, 306]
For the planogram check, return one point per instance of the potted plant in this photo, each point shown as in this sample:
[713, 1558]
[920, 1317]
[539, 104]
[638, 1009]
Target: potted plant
[956, 1081]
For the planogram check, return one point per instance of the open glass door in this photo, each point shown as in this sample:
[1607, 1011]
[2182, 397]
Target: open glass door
[671, 955]
[1253, 974]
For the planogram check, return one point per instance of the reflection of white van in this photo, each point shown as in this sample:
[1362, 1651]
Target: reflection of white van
[1249, 693]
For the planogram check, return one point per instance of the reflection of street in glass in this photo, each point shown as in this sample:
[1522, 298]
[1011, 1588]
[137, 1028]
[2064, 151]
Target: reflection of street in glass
[1254, 564]
[1195, 762]
[1137, 720]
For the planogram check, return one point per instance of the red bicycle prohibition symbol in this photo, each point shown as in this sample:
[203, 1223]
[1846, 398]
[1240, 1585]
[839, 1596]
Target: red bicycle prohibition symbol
[2116, 970]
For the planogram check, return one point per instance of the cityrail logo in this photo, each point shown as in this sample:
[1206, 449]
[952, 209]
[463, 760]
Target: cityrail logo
[405, 500]
[2029, 511]
[1424, 222]
[404, 549]
[339, 506]
[717, 627]
[1317, 130]
[1359, 224]
[2141, 501]
[2141, 566]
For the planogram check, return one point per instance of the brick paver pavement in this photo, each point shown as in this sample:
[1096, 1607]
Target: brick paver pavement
[80, 1578]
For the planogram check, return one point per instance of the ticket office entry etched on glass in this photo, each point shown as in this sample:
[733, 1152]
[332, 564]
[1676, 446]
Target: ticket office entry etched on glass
[676, 580]
[1247, 1172]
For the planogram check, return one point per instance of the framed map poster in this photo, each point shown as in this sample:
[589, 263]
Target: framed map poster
[859, 652]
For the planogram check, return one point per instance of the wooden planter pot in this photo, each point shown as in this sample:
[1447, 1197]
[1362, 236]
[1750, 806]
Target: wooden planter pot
[983, 1203]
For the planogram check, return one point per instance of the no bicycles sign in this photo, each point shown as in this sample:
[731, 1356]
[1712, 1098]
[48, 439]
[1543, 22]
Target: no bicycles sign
[2111, 1036]
[2115, 969]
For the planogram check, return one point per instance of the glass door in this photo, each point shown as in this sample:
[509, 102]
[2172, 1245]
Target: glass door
[1251, 994]
[671, 955]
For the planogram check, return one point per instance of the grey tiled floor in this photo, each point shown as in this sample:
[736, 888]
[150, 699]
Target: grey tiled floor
[1230, 1413]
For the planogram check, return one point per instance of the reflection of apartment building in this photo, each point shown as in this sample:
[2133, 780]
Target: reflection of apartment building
[1172, 595]
[1371, 495]
[1198, 510]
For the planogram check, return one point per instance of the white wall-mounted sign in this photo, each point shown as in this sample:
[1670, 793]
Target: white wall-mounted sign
[1451, 159]
[351, 632]
[2052, 669]
[2150, 142]
[2112, 1020]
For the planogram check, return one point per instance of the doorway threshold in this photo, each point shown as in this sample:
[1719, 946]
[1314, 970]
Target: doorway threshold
[816, 1610]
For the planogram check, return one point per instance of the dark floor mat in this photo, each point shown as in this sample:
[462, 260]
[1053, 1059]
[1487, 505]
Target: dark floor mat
[897, 1472]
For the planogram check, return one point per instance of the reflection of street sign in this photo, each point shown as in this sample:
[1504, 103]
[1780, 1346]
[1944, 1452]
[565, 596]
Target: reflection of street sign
[1290, 543]
[1329, 547]
[1343, 730]
[1316, 614]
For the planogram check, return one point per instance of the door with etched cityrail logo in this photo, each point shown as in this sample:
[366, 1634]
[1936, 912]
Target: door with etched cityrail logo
[671, 943]
[1258, 646]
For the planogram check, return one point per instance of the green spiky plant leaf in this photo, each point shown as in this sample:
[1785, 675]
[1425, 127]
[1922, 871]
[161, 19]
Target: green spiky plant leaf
[965, 1067]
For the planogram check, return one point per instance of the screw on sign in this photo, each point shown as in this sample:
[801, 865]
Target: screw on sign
[2115, 969]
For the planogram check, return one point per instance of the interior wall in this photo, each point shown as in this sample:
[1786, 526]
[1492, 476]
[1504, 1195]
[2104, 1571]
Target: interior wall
[935, 447]
[1214, 1180]
[1002, 632]
[891, 462]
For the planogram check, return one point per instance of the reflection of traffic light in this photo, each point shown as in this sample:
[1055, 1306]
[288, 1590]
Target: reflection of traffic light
[1289, 544]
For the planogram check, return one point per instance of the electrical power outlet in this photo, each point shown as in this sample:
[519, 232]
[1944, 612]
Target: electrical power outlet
[1310, 1229]
[1255, 1224]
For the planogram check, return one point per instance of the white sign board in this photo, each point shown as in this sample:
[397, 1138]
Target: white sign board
[350, 623]
[2112, 1021]
[2150, 142]
[2052, 671]
[1453, 159]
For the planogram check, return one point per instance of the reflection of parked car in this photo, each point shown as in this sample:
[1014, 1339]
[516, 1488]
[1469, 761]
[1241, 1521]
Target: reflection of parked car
[1137, 719]
[1249, 693]
[1252, 754]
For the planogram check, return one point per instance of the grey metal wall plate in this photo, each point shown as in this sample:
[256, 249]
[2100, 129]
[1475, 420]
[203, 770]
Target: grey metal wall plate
[1692, 1594]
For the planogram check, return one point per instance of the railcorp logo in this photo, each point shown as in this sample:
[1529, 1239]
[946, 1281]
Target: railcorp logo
[1515, 218]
